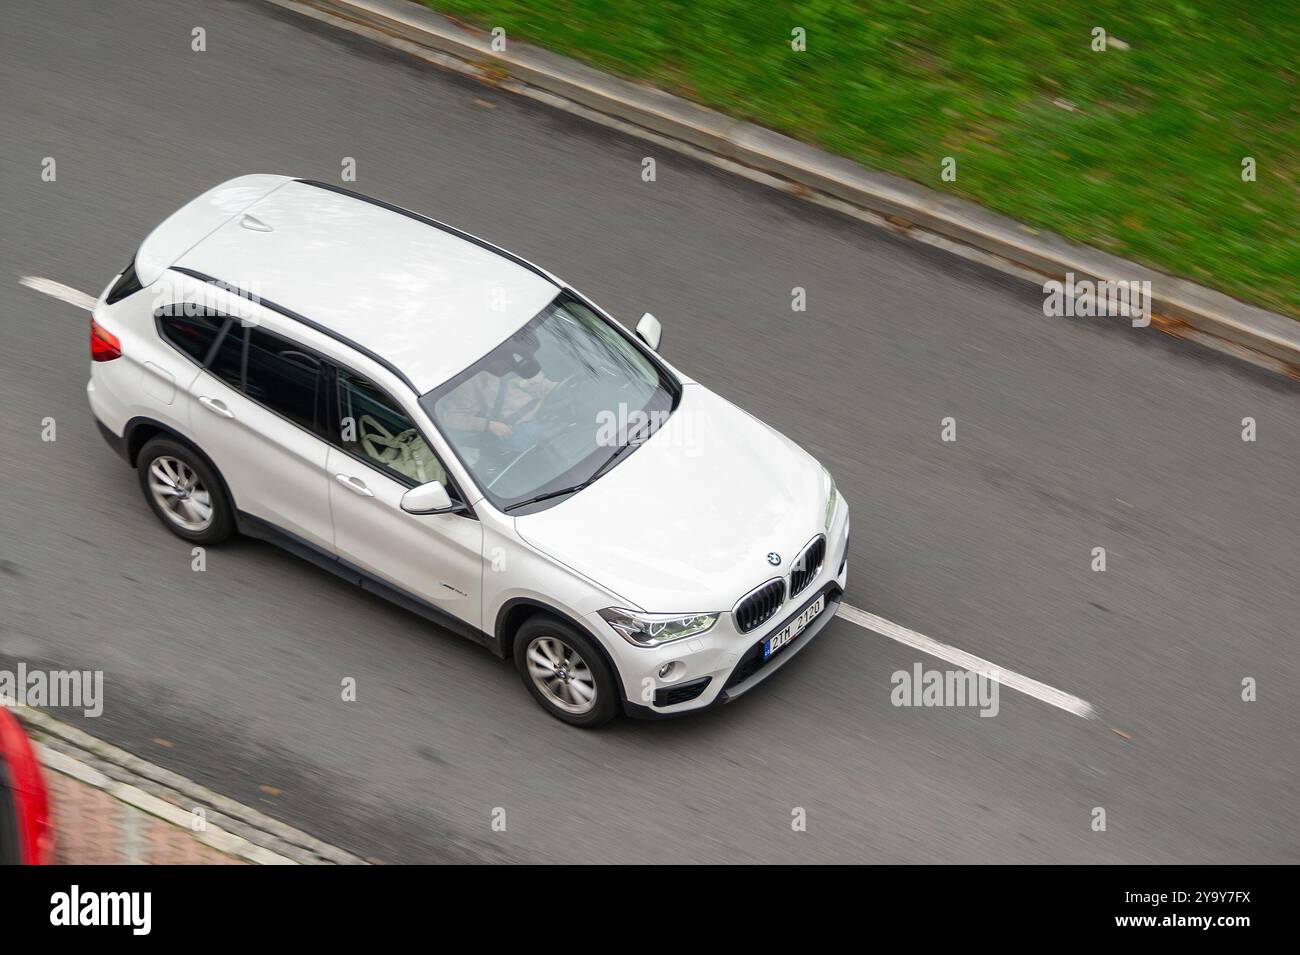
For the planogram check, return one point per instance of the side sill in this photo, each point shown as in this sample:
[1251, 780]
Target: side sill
[256, 527]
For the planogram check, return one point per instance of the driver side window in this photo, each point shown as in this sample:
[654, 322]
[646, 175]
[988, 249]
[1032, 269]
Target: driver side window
[374, 429]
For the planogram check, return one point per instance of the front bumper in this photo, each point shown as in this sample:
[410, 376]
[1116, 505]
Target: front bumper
[749, 671]
[753, 669]
[724, 664]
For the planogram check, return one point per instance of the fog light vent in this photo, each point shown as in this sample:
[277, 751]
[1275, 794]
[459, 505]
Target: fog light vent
[668, 695]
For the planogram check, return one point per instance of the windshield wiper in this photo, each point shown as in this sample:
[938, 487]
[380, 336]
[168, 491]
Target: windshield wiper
[609, 463]
[548, 495]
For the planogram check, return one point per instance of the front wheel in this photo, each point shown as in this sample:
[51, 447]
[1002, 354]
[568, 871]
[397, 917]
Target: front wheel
[565, 672]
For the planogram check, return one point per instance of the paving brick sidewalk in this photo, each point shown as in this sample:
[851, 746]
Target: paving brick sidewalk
[110, 807]
[93, 828]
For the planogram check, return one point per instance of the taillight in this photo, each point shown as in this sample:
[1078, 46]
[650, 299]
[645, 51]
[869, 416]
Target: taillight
[104, 345]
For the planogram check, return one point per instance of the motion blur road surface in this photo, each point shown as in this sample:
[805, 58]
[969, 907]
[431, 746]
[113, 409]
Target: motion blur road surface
[1071, 434]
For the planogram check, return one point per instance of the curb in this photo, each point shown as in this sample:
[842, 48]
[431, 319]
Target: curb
[228, 843]
[905, 204]
[232, 827]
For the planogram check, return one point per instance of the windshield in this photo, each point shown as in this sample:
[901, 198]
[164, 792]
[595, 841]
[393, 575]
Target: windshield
[551, 406]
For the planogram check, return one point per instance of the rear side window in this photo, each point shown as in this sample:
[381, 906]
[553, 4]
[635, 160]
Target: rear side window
[192, 335]
[228, 361]
[283, 377]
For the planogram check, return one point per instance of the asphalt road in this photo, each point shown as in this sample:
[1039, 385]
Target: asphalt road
[1071, 434]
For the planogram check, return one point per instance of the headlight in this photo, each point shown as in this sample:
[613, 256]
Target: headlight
[832, 498]
[653, 629]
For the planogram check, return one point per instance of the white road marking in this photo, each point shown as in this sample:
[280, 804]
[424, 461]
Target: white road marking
[968, 661]
[868, 621]
[64, 293]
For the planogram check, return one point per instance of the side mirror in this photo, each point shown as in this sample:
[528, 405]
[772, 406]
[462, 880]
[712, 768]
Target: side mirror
[431, 498]
[650, 331]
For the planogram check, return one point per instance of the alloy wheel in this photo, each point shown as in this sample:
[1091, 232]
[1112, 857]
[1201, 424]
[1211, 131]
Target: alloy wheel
[562, 676]
[180, 494]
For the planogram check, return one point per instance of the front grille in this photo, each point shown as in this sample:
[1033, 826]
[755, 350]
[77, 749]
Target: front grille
[807, 565]
[752, 660]
[759, 605]
[668, 695]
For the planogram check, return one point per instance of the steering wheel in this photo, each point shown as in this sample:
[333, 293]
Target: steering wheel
[548, 402]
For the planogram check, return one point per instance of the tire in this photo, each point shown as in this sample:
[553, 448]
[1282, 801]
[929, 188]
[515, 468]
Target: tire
[202, 515]
[563, 694]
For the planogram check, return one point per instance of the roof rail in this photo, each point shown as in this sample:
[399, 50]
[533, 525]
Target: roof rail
[481, 243]
[291, 314]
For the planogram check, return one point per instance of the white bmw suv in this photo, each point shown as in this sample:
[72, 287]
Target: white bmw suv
[445, 424]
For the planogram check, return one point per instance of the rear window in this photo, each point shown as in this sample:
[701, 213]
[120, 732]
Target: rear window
[193, 335]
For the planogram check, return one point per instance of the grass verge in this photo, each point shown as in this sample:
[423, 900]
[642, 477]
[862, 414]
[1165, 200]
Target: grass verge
[1136, 150]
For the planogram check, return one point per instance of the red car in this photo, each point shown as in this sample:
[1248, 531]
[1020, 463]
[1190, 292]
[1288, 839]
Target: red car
[25, 834]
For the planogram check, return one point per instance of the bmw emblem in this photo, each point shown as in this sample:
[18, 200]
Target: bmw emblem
[774, 559]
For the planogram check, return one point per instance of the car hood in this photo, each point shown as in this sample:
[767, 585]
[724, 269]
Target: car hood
[685, 523]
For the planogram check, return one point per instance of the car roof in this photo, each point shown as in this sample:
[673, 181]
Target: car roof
[427, 299]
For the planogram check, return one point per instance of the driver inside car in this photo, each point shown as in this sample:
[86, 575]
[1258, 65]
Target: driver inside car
[495, 409]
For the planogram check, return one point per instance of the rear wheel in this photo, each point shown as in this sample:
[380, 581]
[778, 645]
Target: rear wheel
[565, 672]
[184, 491]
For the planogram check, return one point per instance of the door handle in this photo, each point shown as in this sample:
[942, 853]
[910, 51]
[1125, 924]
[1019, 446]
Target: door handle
[216, 406]
[354, 484]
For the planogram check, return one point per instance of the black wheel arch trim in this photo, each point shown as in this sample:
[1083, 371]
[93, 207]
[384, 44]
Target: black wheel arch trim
[504, 640]
[133, 456]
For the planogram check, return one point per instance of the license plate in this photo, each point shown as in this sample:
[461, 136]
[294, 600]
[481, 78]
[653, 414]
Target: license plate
[793, 628]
